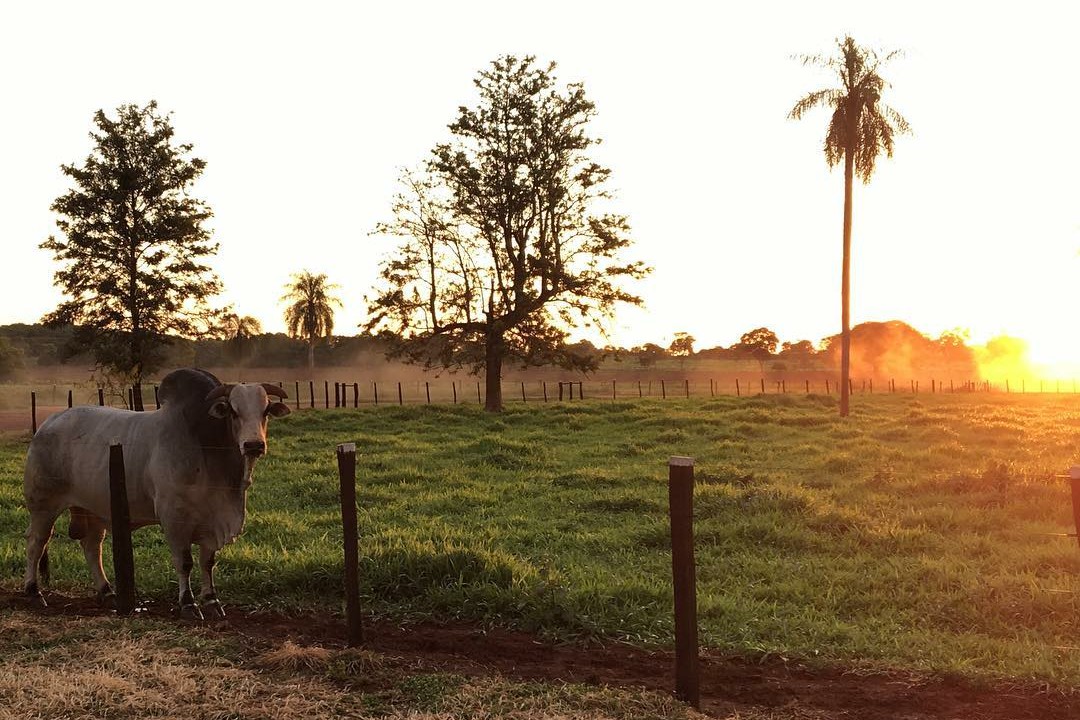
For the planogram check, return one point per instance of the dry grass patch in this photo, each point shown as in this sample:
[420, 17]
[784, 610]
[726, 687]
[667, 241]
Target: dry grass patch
[83, 668]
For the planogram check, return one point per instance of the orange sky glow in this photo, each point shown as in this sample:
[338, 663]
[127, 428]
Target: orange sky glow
[305, 114]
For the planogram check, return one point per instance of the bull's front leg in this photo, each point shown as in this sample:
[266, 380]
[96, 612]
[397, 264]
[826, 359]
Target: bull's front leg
[179, 541]
[208, 593]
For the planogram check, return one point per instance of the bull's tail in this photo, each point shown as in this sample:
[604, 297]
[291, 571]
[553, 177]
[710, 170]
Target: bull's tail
[43, 567]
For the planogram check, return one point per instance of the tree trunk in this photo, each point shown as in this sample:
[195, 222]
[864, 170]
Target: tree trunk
[845, 289]
[494, 351]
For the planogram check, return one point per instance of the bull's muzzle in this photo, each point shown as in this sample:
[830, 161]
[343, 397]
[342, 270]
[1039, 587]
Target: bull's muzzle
[254, 448]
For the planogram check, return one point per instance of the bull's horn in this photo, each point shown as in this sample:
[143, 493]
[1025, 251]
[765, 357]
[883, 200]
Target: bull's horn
[219, 392]
[275, 391]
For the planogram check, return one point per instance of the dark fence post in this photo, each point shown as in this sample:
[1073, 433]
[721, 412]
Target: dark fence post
[326, 393]
[681, 506]
[478, 400]
[687, 388]
[523, 391]
[762, 386]
[738, 392]
[663, 390]
[337, 394]
[560, 390]
[346, 459]
[311, 390]
[427, 391]
[123, 560]
[296, 397]
[157, 398]
[400, 398]
[639, 388]
[1074, 483]
[581, 391]
[101, 396]
[131, 399]
[545, 390]
[453, 386]
[33, 412]
[69, 399]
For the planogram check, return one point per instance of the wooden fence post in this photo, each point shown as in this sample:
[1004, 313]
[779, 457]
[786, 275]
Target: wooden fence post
[1074, 485]
[762, 386]
[453, 386]
[663, 390]
[311, 390]
[427, 391]
[69, 399]
[560, 391]
[101, 396]
[681, 508]
[346, 459]
[687, 387]
[375, 389]
[400, 397]
[581, 391]
[523, 391]
[738, 392]
[545, 390]
[326, 394]
[123, 560]
[478, 400]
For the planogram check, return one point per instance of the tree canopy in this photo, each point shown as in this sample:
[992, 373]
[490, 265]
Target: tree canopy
[507, 239]
[132, 244]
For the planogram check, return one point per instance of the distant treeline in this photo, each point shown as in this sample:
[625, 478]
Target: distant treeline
[881, 349]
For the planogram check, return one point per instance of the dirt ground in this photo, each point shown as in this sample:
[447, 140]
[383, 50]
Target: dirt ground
[730, 686]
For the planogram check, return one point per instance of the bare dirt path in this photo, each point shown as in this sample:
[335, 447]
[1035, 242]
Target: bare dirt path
[731, 685]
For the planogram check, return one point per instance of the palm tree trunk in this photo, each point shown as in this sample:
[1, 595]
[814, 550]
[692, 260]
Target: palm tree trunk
[845, 289]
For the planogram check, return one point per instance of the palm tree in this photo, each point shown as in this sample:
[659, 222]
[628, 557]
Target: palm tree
[236, 330]
[861, 128]
[310, 315]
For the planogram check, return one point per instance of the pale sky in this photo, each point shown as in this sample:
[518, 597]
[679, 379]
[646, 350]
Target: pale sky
[305, 112]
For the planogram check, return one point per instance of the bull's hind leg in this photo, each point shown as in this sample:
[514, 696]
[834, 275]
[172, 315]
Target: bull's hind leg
[37, 542]
[89, 530]
[207, 592]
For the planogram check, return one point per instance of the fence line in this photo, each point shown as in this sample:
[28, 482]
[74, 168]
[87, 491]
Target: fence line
[357, 394]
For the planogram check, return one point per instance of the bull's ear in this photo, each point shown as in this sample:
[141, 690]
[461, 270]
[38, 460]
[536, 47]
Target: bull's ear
[220, 409]
[276, 409]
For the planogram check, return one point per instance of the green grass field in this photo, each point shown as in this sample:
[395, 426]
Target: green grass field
[912, 534]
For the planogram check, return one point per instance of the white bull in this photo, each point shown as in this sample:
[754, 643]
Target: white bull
[188, 467]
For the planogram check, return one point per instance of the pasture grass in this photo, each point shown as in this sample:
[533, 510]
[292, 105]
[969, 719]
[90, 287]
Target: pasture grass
[908, 534]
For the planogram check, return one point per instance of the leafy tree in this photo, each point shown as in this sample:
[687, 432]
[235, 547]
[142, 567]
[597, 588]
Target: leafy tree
[800, 353]
[649, 354]
[759, 344]
[310, 313]
[860, 129]
[133, 244]
[506, 241]
[682, 347]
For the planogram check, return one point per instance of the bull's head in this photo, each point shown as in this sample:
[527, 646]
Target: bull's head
[246, 408]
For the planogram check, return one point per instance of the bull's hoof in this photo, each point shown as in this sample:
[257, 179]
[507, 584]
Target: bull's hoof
[34, 594]
[213, 610]
[106, 597]
[191, 612]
